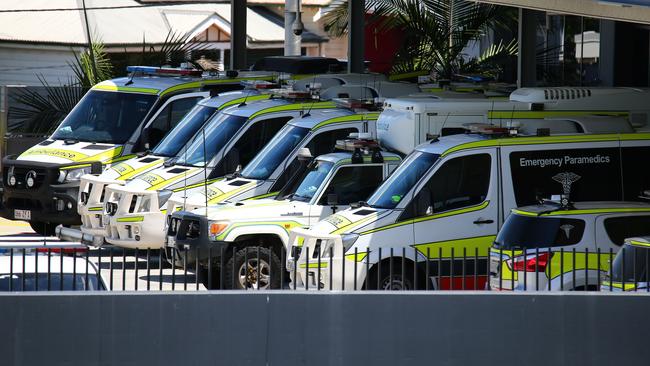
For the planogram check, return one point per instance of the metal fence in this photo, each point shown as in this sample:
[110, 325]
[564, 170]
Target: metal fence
[72, 267]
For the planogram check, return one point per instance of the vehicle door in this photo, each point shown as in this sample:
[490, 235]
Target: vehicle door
[454, 216]
[166, 117]
[320, 142]
[349, 184]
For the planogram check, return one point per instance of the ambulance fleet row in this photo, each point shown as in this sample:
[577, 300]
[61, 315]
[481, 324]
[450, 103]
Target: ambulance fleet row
[239, 173]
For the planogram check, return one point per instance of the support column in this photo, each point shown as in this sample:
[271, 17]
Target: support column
[526, 73]
[238, 34]
[356, 36]
[292, 42]
[607, 52]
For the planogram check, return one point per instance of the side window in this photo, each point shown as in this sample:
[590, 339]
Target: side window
[248, 145]
[460, 182]
[636, 176]
[353, 184]
[620, 228]
[322, 143]
[168, 118]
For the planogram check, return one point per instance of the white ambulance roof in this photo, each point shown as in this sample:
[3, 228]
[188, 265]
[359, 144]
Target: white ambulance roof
[542, 95]
[452, 106]
[583, 208]
[252, 107]
[447, 142]
[317, 116]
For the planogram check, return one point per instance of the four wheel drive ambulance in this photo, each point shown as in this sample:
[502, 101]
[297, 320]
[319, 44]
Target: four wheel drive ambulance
[455, 193]
[134, 213]
[554, 247]
[418, 120]
[328, 183]
[629, 269]
[112, 121]
[90, 204]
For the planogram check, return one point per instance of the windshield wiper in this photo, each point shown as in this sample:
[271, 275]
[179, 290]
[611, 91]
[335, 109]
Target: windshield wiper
[170, 162]
[297, 197]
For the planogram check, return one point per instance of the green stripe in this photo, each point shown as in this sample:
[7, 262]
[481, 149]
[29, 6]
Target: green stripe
[127, 89]
[245, 99]
[95, 208]
[131, 219]
[581, 212]
[210, 181]
[294, 107]
[351, 118]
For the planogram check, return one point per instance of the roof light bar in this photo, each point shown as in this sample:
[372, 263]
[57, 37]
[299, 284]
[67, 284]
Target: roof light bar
[367, 104]
[152, 70]
[259, 84]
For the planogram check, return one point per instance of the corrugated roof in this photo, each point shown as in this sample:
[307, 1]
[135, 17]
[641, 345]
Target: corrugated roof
[122, 26]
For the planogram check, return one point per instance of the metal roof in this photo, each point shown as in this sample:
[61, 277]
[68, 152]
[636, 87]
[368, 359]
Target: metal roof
[127, 26]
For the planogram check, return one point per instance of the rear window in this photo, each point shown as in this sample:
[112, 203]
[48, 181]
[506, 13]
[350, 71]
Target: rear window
[631, 264]
[620, 228]
[39, 282]
[529, 232]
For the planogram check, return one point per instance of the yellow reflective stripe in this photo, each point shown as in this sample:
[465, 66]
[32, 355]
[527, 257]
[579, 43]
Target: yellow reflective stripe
[121, 158]
[358, 258]
[430, 217]
[314, 264]
[175, 88]
[562, 263]
[122, 169]
[547, 114]
[480, 244]
[169, 181]
[561, 212]
[407, 75]
[245, 99]
[294, 107]
[220, 197]
[355, 224]
[548, 140]
[627, 287]
[112, 87]
[135, 172]
[300, 241]
[271, 194]
[100, 208]
[351, 118]
[131, 219]
[195, 185]
[639, 243]
[74, 167]
[106, 155]
[285, 225]
[506, 272]
[59, 153]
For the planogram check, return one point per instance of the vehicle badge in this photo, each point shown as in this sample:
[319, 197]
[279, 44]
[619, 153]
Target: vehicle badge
[566, 179]
[567, 229]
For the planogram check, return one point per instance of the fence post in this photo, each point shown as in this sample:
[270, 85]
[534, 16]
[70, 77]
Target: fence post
[4, 110]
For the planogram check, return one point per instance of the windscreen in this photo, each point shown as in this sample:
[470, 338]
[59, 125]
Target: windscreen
[39, 282]
[267, 160]
[184, 130]
[305, 187]
[209, 140]
[108, 117]
[392, 191]
[530, 232]
[631, 264]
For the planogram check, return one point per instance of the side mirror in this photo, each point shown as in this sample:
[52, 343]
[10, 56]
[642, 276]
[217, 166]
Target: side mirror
[304, 154]
[429, 211]
[332, 199]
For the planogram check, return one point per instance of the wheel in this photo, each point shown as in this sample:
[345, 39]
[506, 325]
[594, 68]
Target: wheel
[396, 282]
[262, 274]
[42, 228]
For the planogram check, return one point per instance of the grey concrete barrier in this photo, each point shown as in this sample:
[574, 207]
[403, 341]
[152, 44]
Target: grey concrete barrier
[289, 328]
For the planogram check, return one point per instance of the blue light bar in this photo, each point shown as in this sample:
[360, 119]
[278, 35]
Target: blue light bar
[152, 70]
[142, 69]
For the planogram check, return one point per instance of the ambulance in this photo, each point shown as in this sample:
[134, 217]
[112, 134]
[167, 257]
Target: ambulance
[113, 121]
[563, 247]
[629, 269]
[249, 228]
[454, 193]
[150, 215]
[90, 203]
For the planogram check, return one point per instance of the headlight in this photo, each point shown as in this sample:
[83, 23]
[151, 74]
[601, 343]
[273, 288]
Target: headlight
[216, 228]
[163, 197]
[71, 175]
[349, 240]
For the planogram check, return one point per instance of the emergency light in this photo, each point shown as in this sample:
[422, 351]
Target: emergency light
[259, 84]
[349, 103]
[164, 71]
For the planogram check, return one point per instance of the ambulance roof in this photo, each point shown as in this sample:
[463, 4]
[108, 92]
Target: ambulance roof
[249, 109]
[318, 117]
[583, 208]
[343, 155]
[218, 100]
[442, 144]
[424, 104]
[642, 241]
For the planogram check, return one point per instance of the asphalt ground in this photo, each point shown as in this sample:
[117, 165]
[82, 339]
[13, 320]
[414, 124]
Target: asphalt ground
[121, 269]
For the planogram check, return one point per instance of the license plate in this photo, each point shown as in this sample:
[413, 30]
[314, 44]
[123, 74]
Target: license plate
[171, 241]
[22, 214]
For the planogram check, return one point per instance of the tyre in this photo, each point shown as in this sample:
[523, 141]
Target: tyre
[256, 274]
[397, 282]
[42, 228]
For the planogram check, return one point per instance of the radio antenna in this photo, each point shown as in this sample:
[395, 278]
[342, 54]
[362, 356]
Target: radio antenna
[313, 101]
[205, 172]
[512, 115]
[444, 123]
[185, 180]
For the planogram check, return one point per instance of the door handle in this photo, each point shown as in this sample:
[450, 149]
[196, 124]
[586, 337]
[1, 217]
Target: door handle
[481, 221]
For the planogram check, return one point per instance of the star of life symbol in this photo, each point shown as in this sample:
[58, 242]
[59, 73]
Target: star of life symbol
[566, 179]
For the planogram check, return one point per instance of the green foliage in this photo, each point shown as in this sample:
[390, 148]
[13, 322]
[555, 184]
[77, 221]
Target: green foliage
[435, 32]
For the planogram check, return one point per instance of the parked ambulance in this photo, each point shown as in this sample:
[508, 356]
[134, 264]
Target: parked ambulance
[455, 192]
[554, 247]
[114, 120]
[323, 185]
[629, 269]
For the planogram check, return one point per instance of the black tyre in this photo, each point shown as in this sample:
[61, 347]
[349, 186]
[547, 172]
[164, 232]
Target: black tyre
[256, 274]
[42, 228]
[383, 280]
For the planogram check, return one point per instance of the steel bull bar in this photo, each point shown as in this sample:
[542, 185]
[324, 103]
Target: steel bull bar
[75, 235]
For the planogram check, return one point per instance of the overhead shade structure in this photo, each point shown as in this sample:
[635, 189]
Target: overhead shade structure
[636, 11]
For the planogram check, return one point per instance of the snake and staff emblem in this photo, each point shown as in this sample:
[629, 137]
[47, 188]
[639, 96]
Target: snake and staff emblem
[566, 179]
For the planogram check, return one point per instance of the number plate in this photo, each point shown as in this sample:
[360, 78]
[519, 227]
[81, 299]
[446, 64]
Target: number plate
[171, 241]
[22, 214]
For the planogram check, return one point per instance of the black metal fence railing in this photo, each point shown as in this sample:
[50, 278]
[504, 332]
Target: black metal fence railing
[69, 267]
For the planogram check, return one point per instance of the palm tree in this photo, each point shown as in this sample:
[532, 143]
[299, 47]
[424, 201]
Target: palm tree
[435, 32]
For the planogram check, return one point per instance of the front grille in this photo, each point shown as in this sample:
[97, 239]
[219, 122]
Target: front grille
[24, 204]
[193, 229]
[111, 208]
[172, 225]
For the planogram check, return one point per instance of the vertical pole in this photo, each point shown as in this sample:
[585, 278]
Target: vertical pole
[607, 52]
[356, 39]
[526, 75]
[292, 42]
[90, 45]
[238, 34]
[3, 121]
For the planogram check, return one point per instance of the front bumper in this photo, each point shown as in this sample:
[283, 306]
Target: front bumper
[74, 235]
[48, 200]
[92, 194]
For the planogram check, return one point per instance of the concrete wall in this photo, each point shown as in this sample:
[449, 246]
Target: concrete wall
[275, 328]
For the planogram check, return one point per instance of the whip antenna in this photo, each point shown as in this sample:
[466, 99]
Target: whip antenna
[205, 172]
